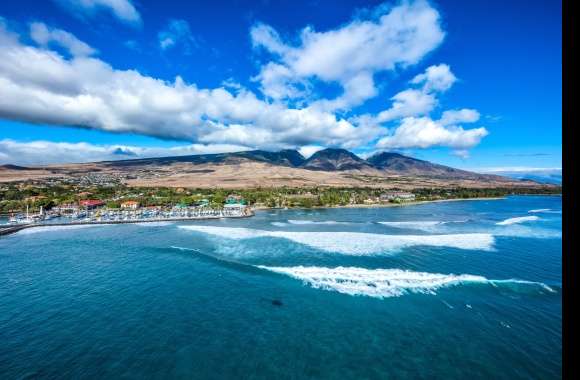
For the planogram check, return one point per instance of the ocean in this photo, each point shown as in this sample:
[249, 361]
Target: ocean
[445, 290]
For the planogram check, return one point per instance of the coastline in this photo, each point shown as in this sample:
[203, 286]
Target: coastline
[381, 205]
[10, 229]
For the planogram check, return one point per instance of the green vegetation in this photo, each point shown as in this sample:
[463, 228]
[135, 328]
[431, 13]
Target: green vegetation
[15, 197]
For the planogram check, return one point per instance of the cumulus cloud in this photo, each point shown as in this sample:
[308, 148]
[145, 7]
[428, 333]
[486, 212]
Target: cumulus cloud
[124, 10]
[349, 55]
[453, 117]
[423, 132]
[40, 86]
[436, 78]
[45, 152]
[43, 35]
[176, 32]
[413, 102]
[416, 129]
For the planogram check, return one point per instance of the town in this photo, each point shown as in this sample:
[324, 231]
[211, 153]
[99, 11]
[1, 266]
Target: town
[28, 202]
[96, 211]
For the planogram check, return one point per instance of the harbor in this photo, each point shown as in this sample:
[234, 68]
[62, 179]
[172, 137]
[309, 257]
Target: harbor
[94, 212]
[8, 229]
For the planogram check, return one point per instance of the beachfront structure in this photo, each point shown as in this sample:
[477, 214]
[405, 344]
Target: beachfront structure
[397, 196]
[235, 199]
[90, 204]
[130, 205]
[66, 208]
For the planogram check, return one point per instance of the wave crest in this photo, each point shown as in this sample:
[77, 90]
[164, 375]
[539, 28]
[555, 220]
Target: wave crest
[517, 220]
[356, 243]
[308, 222]
[385, 283]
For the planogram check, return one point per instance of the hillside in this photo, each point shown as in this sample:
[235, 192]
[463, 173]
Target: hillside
[258, 168]
[335, 159]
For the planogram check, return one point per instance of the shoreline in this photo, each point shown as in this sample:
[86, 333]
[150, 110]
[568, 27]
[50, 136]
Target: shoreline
[10, 229]
[381, 205]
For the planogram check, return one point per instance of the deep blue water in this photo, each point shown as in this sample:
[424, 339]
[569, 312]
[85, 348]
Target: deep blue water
[448, 293]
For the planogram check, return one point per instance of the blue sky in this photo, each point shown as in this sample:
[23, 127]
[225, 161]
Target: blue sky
[473, 84]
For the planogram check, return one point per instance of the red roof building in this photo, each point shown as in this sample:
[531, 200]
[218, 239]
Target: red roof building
[91, 203]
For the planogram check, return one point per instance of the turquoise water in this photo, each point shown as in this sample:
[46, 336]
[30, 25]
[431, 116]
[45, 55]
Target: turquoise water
[440, 290]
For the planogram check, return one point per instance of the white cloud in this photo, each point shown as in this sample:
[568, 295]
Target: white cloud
[416, 102]
[40, 86]
[423, 132]
[461, 153]
[436, 78]
[263, 35]
[409, 102]
[351, 54]
[124, 10]
[176, 32]
[47, 152]
[453, 117]
[411, 108]
[43, 35]
[309, 150]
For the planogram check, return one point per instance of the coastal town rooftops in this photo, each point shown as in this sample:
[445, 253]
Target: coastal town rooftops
[130, 204]
[91, 203]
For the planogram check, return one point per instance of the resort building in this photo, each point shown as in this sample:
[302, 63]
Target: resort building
[66, 208]
[397, 196]
[130, 205]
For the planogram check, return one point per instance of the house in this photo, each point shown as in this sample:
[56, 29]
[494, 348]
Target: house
[131, 205]
[399, 196]
[90, 204]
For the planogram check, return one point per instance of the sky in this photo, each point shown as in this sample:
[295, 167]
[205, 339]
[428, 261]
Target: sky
[471, 84]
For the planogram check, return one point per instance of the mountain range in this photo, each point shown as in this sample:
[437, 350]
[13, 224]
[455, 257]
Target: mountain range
[327, 167]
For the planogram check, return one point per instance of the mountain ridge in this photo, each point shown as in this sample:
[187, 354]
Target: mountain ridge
[256, 168]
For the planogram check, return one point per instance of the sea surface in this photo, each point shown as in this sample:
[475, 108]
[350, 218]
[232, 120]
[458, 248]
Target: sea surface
[449, 290]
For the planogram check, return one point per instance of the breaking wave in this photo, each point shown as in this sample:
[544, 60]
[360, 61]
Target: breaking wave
[384, 283]
[38, 229]
[356, 243]
[155, 224]
[520, 219]
[545, 210]
[301, 222]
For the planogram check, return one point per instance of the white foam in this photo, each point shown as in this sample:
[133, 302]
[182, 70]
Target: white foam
[356, 243]
[34, 230]
[279, 224]
[155, 224]
[520, 219]
[300, 222]
[412, 224]
[545, 210]
[384, 283]
[379, 283]
[422, 225]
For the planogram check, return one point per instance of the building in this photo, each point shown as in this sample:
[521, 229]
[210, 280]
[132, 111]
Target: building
[90, 204]
[131, 205]
[66, 208]
[393, 196]
[35, 198]
[235, 199]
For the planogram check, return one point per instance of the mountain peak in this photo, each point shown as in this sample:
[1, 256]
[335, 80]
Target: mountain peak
[335, 159]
